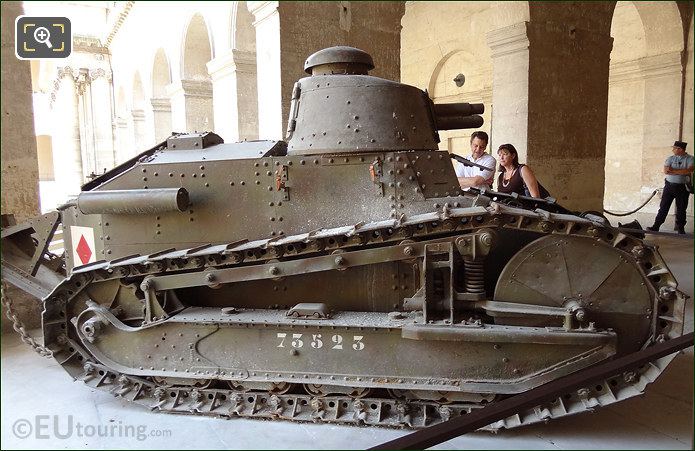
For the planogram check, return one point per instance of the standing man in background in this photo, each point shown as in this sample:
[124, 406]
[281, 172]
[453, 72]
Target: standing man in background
[473, 177]
[678, 169]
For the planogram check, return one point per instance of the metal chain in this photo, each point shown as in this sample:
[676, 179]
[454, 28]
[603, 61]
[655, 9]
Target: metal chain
[18, 326]
[636, 209]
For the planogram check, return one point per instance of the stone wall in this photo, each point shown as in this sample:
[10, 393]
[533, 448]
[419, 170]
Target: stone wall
[568, 100]
[288, 32]
[306, 27]
[432, 56]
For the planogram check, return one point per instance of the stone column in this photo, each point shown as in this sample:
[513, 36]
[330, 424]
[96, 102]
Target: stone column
[20, 170]
[550, 95]
[139, 132]
[177, 103]
[191, 105]
[86, 124]
[624, 137]
[102, 108]
[510, 87]
[161, 112]
[269, 69]
[235, 103]
[67, 146]
[124, 143]
[663, 81]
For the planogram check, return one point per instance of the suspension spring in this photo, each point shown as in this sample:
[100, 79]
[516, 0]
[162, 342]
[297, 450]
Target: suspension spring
[475, 275]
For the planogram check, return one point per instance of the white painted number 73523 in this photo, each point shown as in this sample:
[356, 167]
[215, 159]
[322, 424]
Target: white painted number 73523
[316, 341]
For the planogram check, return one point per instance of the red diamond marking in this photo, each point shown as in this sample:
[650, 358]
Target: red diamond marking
[83, 250]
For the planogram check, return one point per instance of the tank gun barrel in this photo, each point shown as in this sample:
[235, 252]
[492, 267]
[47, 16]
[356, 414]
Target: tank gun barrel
[452, 116]
[458, 122]
[133, 201]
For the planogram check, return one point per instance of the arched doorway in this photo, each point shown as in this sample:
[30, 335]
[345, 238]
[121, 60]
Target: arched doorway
[234, 74]
[644, 101]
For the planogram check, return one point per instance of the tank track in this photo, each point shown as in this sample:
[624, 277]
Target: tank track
[381, 410]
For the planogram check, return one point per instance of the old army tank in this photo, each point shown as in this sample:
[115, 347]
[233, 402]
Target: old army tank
[340, 275]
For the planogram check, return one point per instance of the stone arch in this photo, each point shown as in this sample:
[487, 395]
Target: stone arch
[476, 70]
[161, 104]
[234, 79]
[644, 100]
[194, 96]
[434, 77]
[663, 27]
[243, 35]
[161, 73]
[197, 49]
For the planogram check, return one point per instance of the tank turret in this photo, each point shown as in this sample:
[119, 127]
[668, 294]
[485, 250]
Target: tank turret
[340, 108]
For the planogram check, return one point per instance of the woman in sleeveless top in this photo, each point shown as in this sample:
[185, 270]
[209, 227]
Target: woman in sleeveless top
[514, 176]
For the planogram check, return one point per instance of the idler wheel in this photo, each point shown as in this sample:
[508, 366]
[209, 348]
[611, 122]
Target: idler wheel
[603, 287]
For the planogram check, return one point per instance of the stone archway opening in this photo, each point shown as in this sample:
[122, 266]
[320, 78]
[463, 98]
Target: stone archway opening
[195, 90]
[644, 101]
[233, 74]
[625, 125]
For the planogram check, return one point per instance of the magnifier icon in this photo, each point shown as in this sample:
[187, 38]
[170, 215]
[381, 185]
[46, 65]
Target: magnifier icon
[42, 36]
